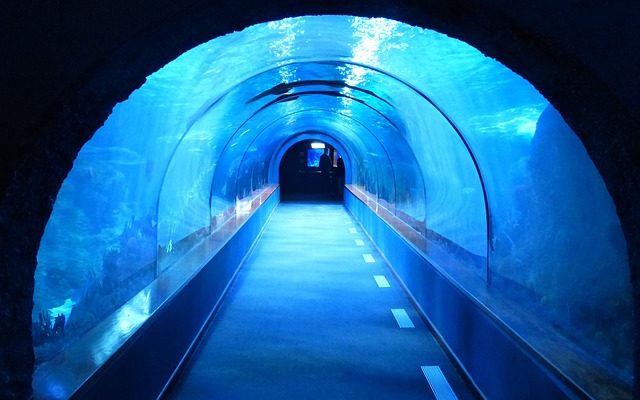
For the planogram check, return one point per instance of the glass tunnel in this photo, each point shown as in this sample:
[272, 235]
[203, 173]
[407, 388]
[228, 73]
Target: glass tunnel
[465, 158]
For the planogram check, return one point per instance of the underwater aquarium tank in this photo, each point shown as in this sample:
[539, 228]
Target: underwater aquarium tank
[465, 152]
[313, 157]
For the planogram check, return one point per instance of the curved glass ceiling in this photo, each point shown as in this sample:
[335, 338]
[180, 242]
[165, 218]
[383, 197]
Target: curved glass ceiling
[458, 147]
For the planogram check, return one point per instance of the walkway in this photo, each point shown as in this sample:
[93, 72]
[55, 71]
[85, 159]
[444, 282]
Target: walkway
[309, 317]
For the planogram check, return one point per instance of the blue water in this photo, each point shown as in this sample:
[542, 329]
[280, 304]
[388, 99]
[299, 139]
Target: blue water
[431, 128]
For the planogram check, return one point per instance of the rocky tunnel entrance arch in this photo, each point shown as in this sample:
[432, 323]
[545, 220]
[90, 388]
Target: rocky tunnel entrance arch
[590, 106]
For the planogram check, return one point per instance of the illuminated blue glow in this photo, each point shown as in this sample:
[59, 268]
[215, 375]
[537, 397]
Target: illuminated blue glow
[313, 157]
[436, 133]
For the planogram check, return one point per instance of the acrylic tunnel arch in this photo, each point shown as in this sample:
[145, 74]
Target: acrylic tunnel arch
[356, 148]
[320, 120]
[395, 151]
[399, 85]
[166, 192]
[320, 87]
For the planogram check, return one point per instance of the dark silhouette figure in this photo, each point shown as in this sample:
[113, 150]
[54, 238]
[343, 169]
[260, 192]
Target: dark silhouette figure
[325, 168]
[325, 161]
[340, 174]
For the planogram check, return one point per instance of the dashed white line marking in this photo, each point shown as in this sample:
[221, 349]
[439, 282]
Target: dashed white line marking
[402, 318]
[381, 281]
[353, 230]
[368, 258]
[438, 383]
[359, 242]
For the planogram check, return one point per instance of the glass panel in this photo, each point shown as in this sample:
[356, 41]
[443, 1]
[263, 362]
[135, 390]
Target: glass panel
[98, 249]
[183, 205]
[561, 253]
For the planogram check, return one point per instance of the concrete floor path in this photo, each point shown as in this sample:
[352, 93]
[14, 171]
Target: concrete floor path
[310, 316]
